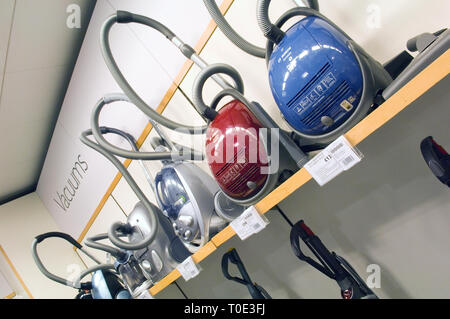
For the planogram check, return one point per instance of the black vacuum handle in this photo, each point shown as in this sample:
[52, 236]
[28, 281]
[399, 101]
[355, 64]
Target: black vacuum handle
[303, 232]
[233, 257]
[332, 265]
[437, 159]
[64, 236]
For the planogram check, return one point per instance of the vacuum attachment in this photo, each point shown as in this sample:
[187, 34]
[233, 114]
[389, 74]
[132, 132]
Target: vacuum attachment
[232, 257]
[437, 159]
[330, 264]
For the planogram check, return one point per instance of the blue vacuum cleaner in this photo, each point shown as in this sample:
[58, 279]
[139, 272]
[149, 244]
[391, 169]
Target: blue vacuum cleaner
[323, 82]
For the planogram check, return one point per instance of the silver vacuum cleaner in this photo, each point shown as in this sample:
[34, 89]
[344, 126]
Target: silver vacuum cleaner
[190, 198]
[152, 249]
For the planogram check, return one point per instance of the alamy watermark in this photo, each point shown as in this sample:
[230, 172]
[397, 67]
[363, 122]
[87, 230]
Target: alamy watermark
[374, 279]
[74, 16]
[237, 146]
[374, 16]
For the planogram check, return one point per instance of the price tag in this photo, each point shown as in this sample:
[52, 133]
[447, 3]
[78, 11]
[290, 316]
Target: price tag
[188, 269]
[248, 223]
[145, 295]
[337, 157]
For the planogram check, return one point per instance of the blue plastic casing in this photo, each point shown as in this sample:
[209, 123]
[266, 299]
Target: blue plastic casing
[315, 78]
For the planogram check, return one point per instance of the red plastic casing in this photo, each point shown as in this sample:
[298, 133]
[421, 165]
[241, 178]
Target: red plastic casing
[235, 152]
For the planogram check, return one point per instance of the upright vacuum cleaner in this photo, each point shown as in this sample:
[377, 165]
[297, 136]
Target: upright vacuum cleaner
[330, 264]
[232, 257]
[238, 171]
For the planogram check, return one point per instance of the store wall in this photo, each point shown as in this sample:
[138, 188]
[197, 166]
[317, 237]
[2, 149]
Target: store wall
[5, 288]
[388, 210]
[22, 220]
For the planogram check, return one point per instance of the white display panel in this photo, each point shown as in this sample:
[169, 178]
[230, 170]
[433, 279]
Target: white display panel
[150, 63]
[5, 289]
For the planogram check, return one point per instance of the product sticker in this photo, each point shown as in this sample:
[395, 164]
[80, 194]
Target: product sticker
[145, 295]
[337, 157]
[188, 269]
[248, 223]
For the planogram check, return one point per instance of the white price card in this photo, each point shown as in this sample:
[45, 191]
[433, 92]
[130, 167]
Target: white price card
[145, 295]
[337, 157]
[188, 269]
[248, 223]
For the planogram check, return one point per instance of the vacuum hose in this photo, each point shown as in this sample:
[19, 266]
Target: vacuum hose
[74, 284]
[98, 132]
[229, 32]
[186, 50]
[207, 72]
[127, 17]
[269, 30]
[92, 242]
[113, 237]
[263, 20]
[313, 4]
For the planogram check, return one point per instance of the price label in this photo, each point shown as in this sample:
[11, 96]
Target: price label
[337, 157]
[248, 223]
[145, 295]
[188, 269]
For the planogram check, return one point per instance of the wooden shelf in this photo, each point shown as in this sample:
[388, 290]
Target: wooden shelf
[425, 80]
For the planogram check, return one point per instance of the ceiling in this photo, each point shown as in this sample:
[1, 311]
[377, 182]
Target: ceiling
[38, 52]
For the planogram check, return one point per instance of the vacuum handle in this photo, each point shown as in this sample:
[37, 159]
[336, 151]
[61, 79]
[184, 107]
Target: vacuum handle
[233, 257]
[334, 266]
[74, 284]
[206, 111]
[186, 50]
[301, 231]
[67, 237]
[228, 257]
[437, 159]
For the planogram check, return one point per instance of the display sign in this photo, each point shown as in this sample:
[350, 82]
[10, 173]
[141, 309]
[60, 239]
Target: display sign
[248, 223]
[337, 157]
[188, 268]
[74, 178]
